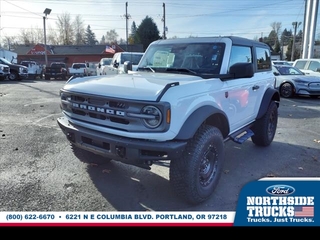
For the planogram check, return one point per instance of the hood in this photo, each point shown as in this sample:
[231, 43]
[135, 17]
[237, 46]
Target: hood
[137, 86]
[308, 78]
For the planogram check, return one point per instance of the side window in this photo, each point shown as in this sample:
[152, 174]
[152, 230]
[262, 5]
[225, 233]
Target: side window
[314, 65]
[263, 58]
[240, 54]
[300, 64]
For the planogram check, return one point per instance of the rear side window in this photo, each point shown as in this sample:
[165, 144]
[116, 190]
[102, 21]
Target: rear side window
[263, 58]
[300, 64]
[79, 65]
[314, 65]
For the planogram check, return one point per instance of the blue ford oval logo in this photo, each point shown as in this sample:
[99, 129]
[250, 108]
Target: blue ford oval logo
[280, 190]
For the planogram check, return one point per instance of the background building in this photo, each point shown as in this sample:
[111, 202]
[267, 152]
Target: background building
[69, 53]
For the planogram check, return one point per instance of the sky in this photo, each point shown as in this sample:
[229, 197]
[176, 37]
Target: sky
[182, 18]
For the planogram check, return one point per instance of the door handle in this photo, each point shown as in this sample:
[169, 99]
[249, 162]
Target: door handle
[255, 87]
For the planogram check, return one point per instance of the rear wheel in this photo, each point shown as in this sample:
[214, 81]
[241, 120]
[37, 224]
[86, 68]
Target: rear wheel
[195, 175]
[265, 128]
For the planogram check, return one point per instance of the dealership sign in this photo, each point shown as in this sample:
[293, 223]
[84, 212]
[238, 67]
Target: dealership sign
[38, 50]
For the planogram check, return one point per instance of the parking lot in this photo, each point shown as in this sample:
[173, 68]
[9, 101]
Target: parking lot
[39, 172]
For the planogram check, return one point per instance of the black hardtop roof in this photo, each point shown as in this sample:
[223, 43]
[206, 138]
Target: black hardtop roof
[235, 40]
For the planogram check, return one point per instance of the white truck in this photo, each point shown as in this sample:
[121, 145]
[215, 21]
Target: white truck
[102, 64]
[118, 60]
[186, 99]
[35, 70]
[78, 70]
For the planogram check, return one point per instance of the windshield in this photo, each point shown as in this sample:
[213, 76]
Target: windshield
[107, 61]
[5, 61]
[134, 58]
[287, 70]
[199, 57]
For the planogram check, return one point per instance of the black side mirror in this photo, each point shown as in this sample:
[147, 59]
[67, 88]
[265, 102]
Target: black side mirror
[127, 66]
[99, 65]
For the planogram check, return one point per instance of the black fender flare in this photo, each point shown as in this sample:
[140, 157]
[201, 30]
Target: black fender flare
[197, 118]
[271, 94]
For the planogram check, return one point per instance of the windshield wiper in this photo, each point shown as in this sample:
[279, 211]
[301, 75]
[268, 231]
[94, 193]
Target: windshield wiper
[146, 68]
[182, 70]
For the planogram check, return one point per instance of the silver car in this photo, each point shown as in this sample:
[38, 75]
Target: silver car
[290, 81]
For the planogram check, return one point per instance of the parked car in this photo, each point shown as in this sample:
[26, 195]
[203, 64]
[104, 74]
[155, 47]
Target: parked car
[57, 70]
[103, 62]
[34, 69]
[17, 71]
[164, 111]
[4, 71]
[118, 60]
[281, 62]
[291, 81]
[79, 70]
[309, 66]
[92, 68]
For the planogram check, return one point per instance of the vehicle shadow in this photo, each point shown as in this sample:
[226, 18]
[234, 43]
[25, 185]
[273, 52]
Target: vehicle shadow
[134, 189]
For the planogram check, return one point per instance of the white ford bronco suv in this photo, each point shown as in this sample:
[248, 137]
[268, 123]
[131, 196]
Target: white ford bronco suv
[186, 99]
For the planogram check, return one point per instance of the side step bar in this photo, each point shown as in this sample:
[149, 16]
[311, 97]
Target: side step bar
[241, 138]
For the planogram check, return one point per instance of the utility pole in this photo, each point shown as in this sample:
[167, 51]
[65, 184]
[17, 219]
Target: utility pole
[46, 12]
[295, 26]
[127, 17]
[164, 20]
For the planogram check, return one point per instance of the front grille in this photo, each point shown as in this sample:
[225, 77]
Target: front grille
[6, 69]
[108, 112]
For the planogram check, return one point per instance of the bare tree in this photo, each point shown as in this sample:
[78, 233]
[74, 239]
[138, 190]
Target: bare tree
[31, 36]
[111, 36]
[65, 28]
[79, 30]
[8, 42]
[276, 27]
[53, 37]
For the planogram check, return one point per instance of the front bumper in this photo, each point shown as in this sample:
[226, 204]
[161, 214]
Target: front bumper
[23, 75]
[127, 150]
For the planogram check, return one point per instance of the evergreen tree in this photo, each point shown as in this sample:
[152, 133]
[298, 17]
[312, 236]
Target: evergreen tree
[147, 32]
[103, 40]
[133, 36]
[90, 37]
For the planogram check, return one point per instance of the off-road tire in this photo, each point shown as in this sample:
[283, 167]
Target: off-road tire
[265, 128]
[88, 157]
[195, 175]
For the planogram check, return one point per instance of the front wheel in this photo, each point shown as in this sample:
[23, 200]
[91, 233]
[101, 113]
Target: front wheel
[195, 175]
[265, 128]
[13, 76]
[286, 90]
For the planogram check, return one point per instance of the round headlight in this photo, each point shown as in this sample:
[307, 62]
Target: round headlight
[153, 116]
